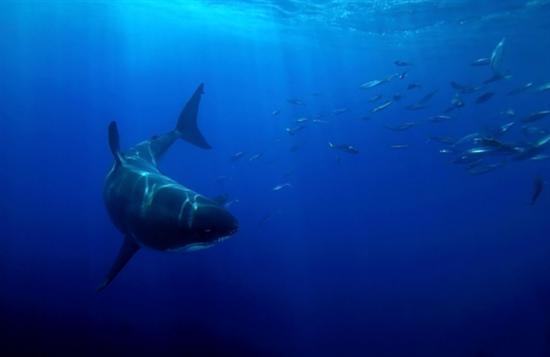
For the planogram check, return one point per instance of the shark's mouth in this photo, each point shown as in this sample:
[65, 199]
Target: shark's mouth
[221, 239]
[192, 247]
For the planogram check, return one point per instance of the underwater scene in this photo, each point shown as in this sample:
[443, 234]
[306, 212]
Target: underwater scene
[275, 178]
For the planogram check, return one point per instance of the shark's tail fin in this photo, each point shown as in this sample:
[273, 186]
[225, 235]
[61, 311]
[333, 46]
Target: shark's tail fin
[187, 123]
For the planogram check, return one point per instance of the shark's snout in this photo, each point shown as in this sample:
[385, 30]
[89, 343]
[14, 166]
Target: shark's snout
[212, 222]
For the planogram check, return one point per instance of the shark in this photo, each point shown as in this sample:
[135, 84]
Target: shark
[152, 210]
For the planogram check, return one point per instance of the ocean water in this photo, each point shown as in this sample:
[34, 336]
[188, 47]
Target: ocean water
[408, 247]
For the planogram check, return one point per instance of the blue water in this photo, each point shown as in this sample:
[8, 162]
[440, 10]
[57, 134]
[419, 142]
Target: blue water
[388, 252]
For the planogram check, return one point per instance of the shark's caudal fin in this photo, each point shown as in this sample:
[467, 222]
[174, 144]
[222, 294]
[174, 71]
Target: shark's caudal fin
[114, 141]
[127, 251]
[187, 123]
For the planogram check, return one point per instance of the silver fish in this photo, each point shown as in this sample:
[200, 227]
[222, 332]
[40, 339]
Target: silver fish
[375, 98]
[281, 186]
[344, 148]
[339, 111]
[535, 116]
[544, 87]
[399, 146]
[481, 62]
[255, 157]
[496, 57]
[521, 89]
[383, 106]
[294, 130]
[373, 83]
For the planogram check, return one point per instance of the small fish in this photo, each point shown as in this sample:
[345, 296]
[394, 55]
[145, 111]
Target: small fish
[423, 102]
[396, 97]
[488, 142]
[535, 116]
[281, 186]
[468, 137]
[540, 157]
[544, 87]
[532, 151]
[533, 131]
[412, 86]
[479, 150]
[400, 63]
[439, 118]
[456, 103]
[383, 106]
[402, 127]
[375, 98]
[483, 169]
[481, 62]
[319, 121]
[391, 77]
[344, 148]
[538, 187]
[231, 203]
[255, 157]
[496, 57]
[236, 156]
[275, 112]
[521, 89]
[373, 83]
[301, 120]
[425, 99]
[509, 113]
[446, 151]
[542, 141]
[403, 75]
[295, 101]
[496, 77]
[463, 88]
[224, 201]
[504, 128]
[399, 146]
[339, 111]
[294, 130]
[466, 158]
[484, 97]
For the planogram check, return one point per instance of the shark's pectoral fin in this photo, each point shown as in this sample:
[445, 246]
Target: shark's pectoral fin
[127, 251]
[114, 142]
[187, 123]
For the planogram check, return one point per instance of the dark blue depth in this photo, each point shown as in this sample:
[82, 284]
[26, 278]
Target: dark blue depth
[393, 250]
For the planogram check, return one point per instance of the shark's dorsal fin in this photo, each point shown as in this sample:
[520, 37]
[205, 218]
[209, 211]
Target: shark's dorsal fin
[187, 122]
[114, 142]
[127, 251]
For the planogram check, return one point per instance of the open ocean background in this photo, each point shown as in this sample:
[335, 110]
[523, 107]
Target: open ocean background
[389, 252]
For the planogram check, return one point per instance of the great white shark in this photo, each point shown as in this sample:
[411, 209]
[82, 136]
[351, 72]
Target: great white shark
[152, 210]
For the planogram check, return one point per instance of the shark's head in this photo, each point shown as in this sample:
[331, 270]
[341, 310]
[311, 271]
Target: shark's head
[212, 223]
